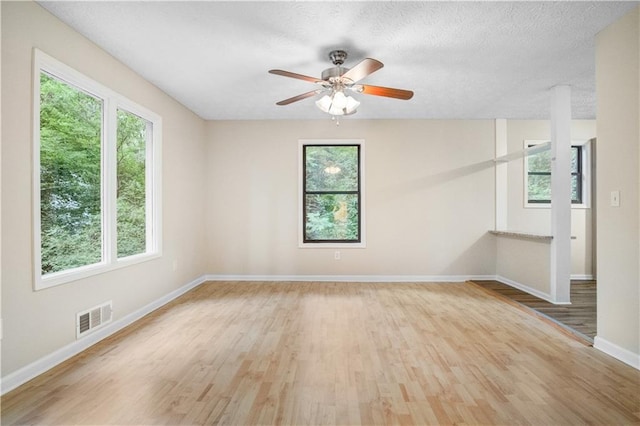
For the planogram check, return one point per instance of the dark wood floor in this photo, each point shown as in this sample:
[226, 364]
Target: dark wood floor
[579, 317]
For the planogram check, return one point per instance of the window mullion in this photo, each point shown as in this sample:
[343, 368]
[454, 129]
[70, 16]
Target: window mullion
[37, 196]
[330, 192]
[149, 187]
[109, 182]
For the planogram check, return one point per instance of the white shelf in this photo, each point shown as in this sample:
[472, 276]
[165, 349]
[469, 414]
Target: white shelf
[524, 235]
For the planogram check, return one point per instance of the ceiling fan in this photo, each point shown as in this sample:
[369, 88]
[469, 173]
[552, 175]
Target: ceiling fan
[337, 80]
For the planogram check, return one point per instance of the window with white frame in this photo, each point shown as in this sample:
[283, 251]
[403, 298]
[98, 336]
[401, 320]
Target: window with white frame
[537, 179]
[332, 193]
[96, 177]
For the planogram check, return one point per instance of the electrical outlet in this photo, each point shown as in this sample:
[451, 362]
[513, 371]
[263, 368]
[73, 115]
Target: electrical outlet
[336, 255]
[175, 265]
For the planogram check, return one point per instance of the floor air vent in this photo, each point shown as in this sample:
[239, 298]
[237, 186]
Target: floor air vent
[91, 319]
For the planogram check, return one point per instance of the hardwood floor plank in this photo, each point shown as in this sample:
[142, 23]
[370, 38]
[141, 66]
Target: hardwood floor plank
[333, 353]
[580, 315]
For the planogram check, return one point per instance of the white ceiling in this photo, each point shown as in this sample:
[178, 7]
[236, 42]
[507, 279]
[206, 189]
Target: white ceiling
[462, 59]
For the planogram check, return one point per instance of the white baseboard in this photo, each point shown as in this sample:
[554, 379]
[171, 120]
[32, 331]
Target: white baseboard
[351, 278]
[525, 288]
[617, 352]
[28, 372]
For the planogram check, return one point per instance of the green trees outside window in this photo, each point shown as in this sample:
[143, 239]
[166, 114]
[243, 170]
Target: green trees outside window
[131, 190]
[85, 220]
[70, 176]
[539, 176]
[332, 193]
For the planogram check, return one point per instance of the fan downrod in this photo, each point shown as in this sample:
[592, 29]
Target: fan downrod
[337, 57]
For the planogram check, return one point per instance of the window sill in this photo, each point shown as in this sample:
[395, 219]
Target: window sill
[332, 245]
[548, 206]
[64, 277]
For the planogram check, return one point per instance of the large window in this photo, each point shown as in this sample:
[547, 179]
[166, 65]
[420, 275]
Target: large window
[538, 176]
[96, 180]
[332, 195]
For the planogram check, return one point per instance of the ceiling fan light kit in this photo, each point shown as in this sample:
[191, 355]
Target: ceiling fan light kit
[338, 104]
[337, 80]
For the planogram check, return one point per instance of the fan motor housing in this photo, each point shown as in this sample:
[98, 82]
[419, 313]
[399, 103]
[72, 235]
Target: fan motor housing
[333, 72]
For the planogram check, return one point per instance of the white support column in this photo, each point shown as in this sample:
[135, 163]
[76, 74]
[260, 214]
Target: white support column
[501, 175]
[561, 195]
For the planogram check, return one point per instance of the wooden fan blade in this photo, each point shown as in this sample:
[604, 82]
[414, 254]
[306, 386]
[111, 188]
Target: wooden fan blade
[362, 69]
[298, 76]
[298, 98]
[388, 92]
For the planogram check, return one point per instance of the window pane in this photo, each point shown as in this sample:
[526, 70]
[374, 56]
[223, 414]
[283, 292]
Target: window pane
[131, 162]
[539, 188]
[331, 217]
[331, 168]
[70, 205]
[576, 196]
[540, 162]
[575, 159]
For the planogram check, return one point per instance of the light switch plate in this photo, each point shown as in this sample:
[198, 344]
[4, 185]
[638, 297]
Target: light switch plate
[615, 198]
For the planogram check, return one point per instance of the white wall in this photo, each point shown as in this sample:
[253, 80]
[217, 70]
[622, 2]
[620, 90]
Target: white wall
[429, 198]
[538, 220]
[618, 88]
[38, 323]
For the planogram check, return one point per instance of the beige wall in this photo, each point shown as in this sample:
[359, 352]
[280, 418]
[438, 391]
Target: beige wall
[1, 326]
[538, 220]
[525, 263]
[38, 323]
[429, 198]
[618, 88]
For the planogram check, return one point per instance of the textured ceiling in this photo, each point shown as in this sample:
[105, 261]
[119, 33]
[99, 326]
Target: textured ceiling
[462, 59]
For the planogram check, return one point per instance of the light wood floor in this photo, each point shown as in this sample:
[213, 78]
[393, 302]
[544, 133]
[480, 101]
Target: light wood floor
[334, 353]
[580, 316]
